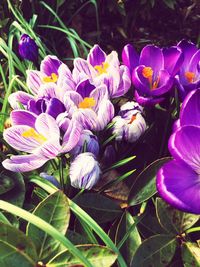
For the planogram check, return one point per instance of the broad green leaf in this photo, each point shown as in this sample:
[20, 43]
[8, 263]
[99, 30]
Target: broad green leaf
[17, 239]
[173, 220]
[55, 210]
[157, 251]
[99, 256]
[6, 184]
[76, 238]
[100, 208]
[190, 255]
[144, 186]
[12, 257]
[16, 194]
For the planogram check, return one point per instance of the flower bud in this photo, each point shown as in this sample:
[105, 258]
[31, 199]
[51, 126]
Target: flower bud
[89, 141]
[84, 171]
[130, 124]
[28, 48]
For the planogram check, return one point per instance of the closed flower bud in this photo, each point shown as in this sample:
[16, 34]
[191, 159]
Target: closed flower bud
[28, 48]
[129, 127]
[87, 143]
[84, 171]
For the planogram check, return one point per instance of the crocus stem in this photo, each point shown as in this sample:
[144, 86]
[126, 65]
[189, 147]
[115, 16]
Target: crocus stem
[61, 173]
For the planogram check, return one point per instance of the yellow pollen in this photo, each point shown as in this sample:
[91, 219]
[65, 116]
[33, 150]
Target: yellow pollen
[103, 68]
[88, 102]
[190, 76]
[33, 134]
[51, 79]
[147, 72]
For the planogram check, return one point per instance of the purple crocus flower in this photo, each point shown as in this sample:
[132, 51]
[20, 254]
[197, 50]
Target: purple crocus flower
[40, 137]
[28, 48]
[84, 171]
[101, 68]
[189, 76]
[129, 124]
[178, 180]
[90, 107]
[153, 73]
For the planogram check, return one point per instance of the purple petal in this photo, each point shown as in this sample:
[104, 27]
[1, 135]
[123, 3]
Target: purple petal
[152, 56]
[23, 117]
[34, 80]
[130, 57]
[164, 85]
[48, 90]
[190, 110]
[179, 185]
[105, 114]
[63, 121]
[194, 63]
[47, 126]
[125, 82]
[19, 97]
[184, 144]
[24, 163]
[188, 49]
[173, 59]
[71, 136]
[148, 101]
[55, 107]
[139, 81]
[82, 70]
[99, 93]
[96, 56]
[49, 65]
[84, 88]
[14, 137]
[86, 117]
[65, 80]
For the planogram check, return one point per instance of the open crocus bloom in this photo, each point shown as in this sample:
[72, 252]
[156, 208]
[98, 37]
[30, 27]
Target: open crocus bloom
[178, 180]
[189, 76]
[52, 70]
[90, 106]
[38, 136]
[154, 76]
[101, 68]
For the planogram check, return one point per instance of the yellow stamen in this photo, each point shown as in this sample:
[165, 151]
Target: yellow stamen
[190, 76]
[51, 79]
[132, 119]
[88, 102]
[33, 134]
[147, 72]
[103, 68]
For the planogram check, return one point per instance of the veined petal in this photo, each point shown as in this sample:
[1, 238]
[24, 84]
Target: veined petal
[65, 80]
[34, 80]
[49, 65]
[24, 163]
[179, 185]
[19, 97]
[190, 109]
[105, 114]
[23, 117]
[99, 93]
[47, 126]
[113, 60]
[86, 117]
[48, 90]
[96, 56]
[82, 66]
[184, 145]
[125, 82]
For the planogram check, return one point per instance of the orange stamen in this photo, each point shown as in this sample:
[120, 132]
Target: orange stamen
[132, 119]
[190, 76]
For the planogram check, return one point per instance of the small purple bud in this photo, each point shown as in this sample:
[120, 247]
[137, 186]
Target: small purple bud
[51, 179]
[109, 156]
[84, 171]
[28, 48]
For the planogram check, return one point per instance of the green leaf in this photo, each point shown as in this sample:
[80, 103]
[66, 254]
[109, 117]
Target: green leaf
[15, 238]
[190, 255]
[12, 256]
[173, 220]
[99, 207]
[16, 194]
[6, 184]
[55, 210]
[170, 3]
[98, 256]
[76, 238]
[144, 186]
[157, 251]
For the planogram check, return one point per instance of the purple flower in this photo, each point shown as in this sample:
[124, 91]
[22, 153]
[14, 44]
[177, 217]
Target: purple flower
[189, 76]
[154, 75]
[40, 137]
[178, 180]
[129, 124]
[101, 68]
[84, 171]
[51, 179]
[90, 107]
[28, 48]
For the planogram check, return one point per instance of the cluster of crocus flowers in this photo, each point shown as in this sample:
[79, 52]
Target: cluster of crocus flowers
[178, 180]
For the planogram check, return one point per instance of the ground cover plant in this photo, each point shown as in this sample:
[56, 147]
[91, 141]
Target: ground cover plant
[99, 134]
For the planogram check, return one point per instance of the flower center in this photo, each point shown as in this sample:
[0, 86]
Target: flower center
[33, 134]
[190, 76]
[88, 102]
[132, 119]
[147, 73]
[103, 68]
[52, 78]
